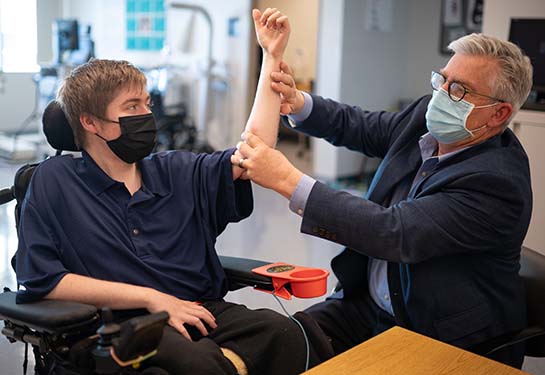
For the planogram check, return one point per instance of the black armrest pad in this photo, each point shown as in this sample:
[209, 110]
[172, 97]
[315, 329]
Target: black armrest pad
[46, 315]
[239, 272]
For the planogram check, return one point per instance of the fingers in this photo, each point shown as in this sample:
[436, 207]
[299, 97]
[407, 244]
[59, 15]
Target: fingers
[244, 176]
[286, 68]
[284, 78]
[202, 314]
[191, 320]
[197, 323]
[285, 109]
[282, 23]
[246, 151]
[266, 14]
[180, 328]
[252, 140]
[256, 14]
[194, 315]
[240, 159]
[286, 92]
[237, 160]
[272, 20]
[208, 317]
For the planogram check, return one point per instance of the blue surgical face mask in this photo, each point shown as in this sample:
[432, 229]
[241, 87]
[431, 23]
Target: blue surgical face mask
[446, 120]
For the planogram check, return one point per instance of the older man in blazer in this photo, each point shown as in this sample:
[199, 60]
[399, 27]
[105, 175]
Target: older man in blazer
[435, 244]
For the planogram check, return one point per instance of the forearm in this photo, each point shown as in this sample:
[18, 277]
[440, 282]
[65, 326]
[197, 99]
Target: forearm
[265, 114]
[101, 293]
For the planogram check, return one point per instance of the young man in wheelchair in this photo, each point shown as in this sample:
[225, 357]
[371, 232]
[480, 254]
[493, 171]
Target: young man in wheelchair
[128, 230]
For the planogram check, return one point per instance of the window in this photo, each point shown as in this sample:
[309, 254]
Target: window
[18, 36]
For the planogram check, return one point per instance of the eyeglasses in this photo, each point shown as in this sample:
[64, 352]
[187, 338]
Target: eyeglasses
[456, 91]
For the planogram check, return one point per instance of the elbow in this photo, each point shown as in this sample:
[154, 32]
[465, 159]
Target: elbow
[257, 129]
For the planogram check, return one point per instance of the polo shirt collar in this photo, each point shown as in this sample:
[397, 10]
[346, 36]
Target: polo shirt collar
[98, 181]
[151, 179]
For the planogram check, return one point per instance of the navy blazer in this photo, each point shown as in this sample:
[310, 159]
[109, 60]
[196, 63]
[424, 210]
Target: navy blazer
[453, 245]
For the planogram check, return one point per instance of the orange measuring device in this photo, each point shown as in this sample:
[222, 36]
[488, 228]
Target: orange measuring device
[288, 280]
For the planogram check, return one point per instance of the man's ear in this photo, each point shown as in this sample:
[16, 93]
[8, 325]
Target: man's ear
[89, 122]
[502, 114]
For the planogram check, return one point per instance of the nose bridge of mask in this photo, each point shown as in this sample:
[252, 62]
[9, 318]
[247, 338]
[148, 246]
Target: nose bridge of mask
[137, 123]
[461, 110]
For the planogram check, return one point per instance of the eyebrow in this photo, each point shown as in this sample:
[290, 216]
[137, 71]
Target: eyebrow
[135, 100]
[463, 83]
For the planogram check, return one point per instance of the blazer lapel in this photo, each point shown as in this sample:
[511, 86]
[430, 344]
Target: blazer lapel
[392, 170]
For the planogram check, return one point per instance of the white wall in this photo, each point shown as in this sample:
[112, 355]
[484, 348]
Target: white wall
[423, 56]
[303, 16]
[498, 13]
[374, 64]
[373, 69]
[326, 158]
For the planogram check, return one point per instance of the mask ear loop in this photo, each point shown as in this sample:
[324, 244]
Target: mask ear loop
[471, 132]
[476, 130]
[105, 120]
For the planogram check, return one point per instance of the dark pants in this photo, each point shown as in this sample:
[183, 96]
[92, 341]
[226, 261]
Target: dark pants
[267, 342]
[351, 321]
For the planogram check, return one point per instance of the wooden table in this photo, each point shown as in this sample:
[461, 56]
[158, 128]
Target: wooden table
[399, 351]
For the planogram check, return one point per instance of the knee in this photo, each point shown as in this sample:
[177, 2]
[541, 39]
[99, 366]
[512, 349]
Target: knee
[283, 332]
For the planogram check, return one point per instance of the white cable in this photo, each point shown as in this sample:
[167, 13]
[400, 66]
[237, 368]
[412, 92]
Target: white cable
[300, 326]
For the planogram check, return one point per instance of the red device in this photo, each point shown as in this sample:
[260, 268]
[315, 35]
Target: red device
[304, 282]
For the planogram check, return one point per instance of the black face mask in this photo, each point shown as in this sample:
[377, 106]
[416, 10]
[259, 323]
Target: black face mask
[137, 137]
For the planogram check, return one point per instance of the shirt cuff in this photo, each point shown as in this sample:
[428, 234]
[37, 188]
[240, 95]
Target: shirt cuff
[298, 201]
[303, 114]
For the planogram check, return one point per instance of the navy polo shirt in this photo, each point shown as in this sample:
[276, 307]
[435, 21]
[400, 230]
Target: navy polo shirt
[76, 219]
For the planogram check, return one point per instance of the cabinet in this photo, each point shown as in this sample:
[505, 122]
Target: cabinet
[529, 127]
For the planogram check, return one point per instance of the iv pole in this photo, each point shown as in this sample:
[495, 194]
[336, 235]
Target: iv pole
[204, 92]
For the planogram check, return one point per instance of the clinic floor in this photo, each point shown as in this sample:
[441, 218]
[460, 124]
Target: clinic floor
[271, 233]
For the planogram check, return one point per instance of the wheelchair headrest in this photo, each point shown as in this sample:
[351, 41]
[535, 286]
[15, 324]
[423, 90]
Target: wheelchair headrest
[57, 130]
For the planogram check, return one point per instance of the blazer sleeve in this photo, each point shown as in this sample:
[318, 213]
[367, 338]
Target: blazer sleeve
[466, 216]
[371, 133]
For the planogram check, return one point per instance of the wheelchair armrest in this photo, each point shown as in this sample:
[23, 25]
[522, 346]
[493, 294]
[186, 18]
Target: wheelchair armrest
[47, 315]
[240, 275]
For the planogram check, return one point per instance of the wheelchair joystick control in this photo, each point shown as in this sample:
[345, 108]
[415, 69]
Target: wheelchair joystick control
[108, 333]
[108, 330]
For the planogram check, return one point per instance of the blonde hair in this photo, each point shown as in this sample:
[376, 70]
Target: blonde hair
[514, 79]
[92, 86]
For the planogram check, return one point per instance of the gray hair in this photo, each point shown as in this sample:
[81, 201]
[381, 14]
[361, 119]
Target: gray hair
[514, 79]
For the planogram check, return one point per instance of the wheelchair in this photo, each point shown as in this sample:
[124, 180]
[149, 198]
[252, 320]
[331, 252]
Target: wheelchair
[74, 338]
